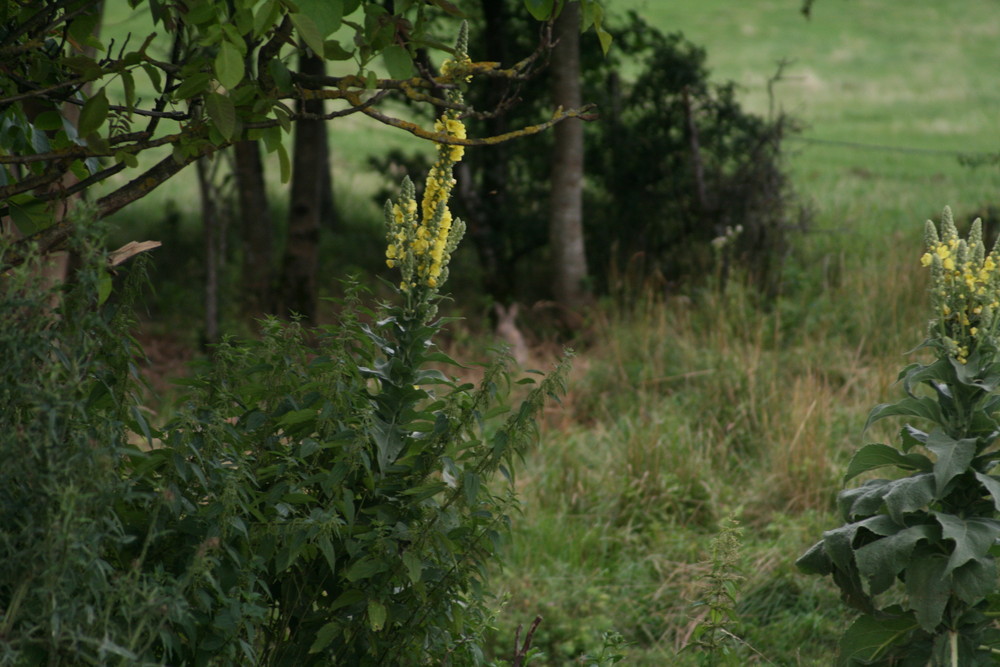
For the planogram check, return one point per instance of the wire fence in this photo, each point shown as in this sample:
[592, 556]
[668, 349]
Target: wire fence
[971, 158]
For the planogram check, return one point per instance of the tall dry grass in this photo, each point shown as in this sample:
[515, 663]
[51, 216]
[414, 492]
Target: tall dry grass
[685, 409]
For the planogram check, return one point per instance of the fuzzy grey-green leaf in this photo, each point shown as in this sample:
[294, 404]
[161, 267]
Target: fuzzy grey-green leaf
[953, 458]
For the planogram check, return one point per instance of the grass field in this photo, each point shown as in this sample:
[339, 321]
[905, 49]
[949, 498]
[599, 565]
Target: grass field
[684, 411]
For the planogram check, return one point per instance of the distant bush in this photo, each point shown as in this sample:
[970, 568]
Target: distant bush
[673, 163]
[682, 168]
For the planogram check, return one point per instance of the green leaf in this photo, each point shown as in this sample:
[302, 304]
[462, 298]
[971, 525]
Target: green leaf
[222, 112]
[364, 569]
[928, 588]
[128, 83]
[815, 560]
[326, 548]
[296, 417]
[192, 86]
[265, 18]
[398, 62]
[909, 495]
[308, 31]
[470, 485]
[284, 163]
[376, 615]
[324, 636]
[973, 537]
[924, 407]
[541, 10]
[864, 500]
[93, 113]
[104, 284]
[975, 580]
[869, 638]
[229, 65]
[992, 485]
[880, 561]
[414, 566]
[953, 457]
[333, 50]
[875, 456]
[915, 374]
[347, 598]
[326, 14]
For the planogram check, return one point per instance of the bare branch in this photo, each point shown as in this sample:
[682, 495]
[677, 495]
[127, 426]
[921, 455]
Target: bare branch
[443, 138]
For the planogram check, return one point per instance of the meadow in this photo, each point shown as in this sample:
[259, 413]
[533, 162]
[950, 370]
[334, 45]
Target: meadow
[685, 408]
[684, 411]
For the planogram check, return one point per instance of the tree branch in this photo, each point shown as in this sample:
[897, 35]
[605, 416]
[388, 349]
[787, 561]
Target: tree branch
[51, 238]
[443, 138]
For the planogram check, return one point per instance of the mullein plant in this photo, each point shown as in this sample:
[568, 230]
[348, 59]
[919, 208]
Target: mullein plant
[928, 535]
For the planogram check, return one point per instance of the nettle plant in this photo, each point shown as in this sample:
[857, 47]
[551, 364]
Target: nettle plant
[928, 537]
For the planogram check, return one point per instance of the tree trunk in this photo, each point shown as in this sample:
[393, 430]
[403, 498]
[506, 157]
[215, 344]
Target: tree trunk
[212, 231]
[257, 232]
[298, 284]
[569, 261]
[483, 175]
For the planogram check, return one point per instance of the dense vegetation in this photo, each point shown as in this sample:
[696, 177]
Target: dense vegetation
[684, 407]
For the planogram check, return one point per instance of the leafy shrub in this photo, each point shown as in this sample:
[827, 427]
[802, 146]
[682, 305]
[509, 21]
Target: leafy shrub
[67, 395]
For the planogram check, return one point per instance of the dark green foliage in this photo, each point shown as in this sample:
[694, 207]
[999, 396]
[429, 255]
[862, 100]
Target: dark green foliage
[677, 162]
[66, 399]
[320, 498]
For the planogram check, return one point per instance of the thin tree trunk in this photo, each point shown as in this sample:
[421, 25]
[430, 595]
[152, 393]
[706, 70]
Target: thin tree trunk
[258, 229]
[211, 229]
[569, 260]
[301, 262]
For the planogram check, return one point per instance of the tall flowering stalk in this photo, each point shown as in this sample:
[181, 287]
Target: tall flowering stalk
[932, 532]
[420, 242]
[965, 292]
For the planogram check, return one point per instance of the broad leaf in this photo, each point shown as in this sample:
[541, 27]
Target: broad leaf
[308, 31]
[869, 638]
[924, 407]
[973, 537]
[953, 458]
[875, 456]
[229, 65]
[222, 112]
[880, 561]
[864, 500]
[324, 636]
[928, 588]
[992, 485]
[376, 615]
[93, 113]
[398, 62]
[326, 14]
[975, 580]
[909, 495]
[815, 560]
[541, 10]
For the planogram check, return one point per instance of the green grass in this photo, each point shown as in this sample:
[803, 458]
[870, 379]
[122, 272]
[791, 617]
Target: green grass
[684, 411]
